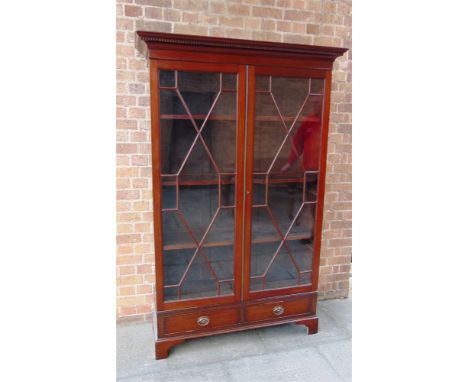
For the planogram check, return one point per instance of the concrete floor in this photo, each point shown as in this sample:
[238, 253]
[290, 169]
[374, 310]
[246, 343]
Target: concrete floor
[281, 353]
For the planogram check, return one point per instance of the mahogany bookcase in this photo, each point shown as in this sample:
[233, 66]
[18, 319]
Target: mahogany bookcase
[239, 146]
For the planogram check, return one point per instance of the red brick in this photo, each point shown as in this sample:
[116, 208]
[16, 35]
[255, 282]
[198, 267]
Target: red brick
[267, 12]
[143, 101]
[128, 217]
[133, 11]
[300, 28]
[140, 183]
[144, 148]
[122, 206]
[121, 112]
[140, 160]
[231, 21]
[125, 50]
[128, 238]
[124, 228]
[125, 270]
[153, 13]
[124, 249]
[298, 4]
[191, 29]
[124, 24]
[296, 39]
[128, 259]
[144, 268]
[284, 3]
[267, 36]
[314, 5]
[171, 14]
[126, 124]
[158, 3]
[123, 183]
[136, 88]
[153, 25]
[123, 160]
[239, 9]
[283, 26]
[149, 278]
[138, 136]
[127, 171]
[130, 300]
[126, 148]
[127, 310]
[126, 291]
[119, 36]
[193, 5]
[142, 227]
[268, 24]
[135, 112]
[141, 206]
[147, 217]
[142, 248]
[294, 15]
[128, 195]
[143, 308]
[126, 100]
[144, 289]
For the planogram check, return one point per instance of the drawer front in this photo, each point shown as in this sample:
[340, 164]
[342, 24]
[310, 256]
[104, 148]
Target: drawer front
[279, 309]
[200, 320]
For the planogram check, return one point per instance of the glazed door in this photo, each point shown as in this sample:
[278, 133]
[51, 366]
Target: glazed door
[283, 169]
[199, 141]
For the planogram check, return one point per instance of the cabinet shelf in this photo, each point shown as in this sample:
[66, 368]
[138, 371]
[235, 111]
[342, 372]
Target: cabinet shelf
[213, 182]
[225, 243]
[260, 118]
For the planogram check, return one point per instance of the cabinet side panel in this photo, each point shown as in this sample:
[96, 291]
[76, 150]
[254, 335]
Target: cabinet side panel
[321, 183]
[156, 169]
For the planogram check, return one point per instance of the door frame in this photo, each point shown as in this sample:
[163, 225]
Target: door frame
[155, 66]
[279, 71]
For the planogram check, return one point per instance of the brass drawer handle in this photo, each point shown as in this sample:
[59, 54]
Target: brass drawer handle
[203, 321]
[278, 310]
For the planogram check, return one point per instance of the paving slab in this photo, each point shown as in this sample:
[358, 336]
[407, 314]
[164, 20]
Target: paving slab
[279, 353]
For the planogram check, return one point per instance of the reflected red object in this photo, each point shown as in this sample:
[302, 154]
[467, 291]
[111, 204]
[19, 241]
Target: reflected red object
[307, 143]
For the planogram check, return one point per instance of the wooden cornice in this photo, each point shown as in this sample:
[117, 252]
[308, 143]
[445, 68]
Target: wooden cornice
[157, 40]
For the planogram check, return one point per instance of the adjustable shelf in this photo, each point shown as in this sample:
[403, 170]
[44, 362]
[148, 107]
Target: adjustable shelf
[225, 243]
[260, 118]
[211, 182]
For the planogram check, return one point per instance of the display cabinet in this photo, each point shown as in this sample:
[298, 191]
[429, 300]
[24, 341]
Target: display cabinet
[239, 146]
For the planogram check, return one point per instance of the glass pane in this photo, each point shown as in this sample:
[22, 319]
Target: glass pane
[262, 84]
[282, 272]
[287, 138]
[259, 189]
[169, 193]
[228, 191]
[229, 82]
[166, 78]
[198, 155]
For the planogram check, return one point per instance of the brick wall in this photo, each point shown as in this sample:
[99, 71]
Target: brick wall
[317, 22]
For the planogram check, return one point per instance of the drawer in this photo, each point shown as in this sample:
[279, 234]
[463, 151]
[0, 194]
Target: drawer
[200, 320]
[279, 308]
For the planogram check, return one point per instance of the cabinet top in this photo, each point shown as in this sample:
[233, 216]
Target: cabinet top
[170, 41]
